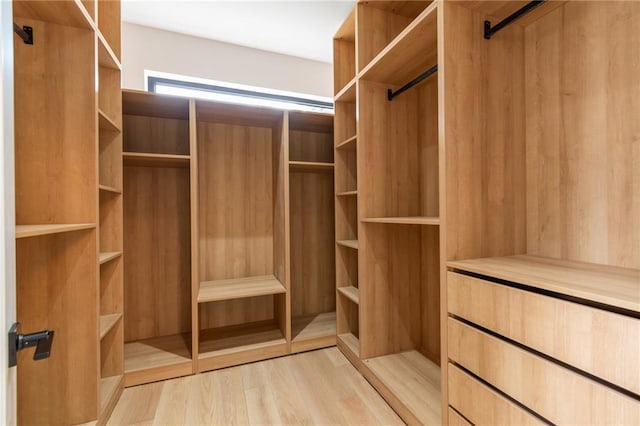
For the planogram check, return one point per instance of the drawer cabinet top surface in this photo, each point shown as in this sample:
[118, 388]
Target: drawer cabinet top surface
[617, 287]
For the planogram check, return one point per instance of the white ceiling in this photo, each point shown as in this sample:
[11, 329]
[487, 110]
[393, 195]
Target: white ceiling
[303, 28]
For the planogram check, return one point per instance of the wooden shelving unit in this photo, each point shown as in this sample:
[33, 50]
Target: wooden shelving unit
[68, 210]
[414, 380]
[411, 220]
[107, 322]
[25, 231]
[238, 288]
[231, 345]
[158, 358]
[140, 159]
[351, 292]
[310, 166]
[348, 243]
[351, 343]
[313, 331]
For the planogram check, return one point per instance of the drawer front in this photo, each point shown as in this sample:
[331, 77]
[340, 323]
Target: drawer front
[481, 404]
[554, 392]
[576, 334]
[456, 419]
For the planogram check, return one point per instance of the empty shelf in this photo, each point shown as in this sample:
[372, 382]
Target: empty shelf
[347, 93]
[348, 144]
[106, 188]
[108, 390]
[410, 220]
[239, 338]
[24, 231]
[619, 287]
[414, 380]
[313, 326]
[352, 293]
[418, 41]
[107, 322]
[140, 159]
[310, 166]
[348, 243]
[108, 256]
[238, 288]
[70, 13]
[106, 123]
[106, 57]
[157, 358]
[346, 193]
[351, 342]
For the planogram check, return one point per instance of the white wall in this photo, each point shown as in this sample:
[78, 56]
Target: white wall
[145, 48]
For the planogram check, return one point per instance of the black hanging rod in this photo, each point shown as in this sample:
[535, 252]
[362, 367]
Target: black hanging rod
[391, 94]
[25, 33]
[490, 31]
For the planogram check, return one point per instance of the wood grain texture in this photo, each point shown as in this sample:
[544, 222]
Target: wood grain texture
[55, 156]
[410, 383]
[110, 158]
[238, 288]
[482, 405]
[195, 242]
[56, 284]
[618, 287]
[482, 137]
[109, 92]
[149, 104]
[456, 419]
[60, 12]
[158, 358]
[155, 135]
[312, 242]
[157, 256]
[313, 331]
[109, 23]
[583, 336]
[557, 394]
[318, 387]
[583, 151]
[311, 146]
[344, 58]
[238, 239]
[410, 52]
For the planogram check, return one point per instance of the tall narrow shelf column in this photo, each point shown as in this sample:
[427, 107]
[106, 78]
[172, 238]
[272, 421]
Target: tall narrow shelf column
[157, 237]
[311, 217]
[110, 225]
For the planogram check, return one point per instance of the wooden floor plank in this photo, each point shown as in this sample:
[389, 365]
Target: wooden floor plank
[317, 387]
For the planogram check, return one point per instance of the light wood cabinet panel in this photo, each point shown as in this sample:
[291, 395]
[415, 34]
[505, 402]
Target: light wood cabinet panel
[576, 334]
[482, 405]
[554, 392]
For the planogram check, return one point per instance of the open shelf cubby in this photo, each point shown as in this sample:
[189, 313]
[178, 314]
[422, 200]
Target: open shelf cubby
[344, 53]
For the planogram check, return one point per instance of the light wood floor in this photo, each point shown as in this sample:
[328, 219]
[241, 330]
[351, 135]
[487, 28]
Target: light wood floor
[319, 387]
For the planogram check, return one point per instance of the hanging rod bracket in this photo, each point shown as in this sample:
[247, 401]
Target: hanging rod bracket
[391, 94]
[25, 33]
[489, 31]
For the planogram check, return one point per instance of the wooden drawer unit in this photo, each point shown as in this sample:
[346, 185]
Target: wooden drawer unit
[481, 404]
[579, 335]
[559, 395]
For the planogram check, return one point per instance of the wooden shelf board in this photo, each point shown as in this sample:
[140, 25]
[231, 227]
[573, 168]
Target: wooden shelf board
[311, 327]
[352, 293]
[348, 92]
[309, 166]
[348, 243]
[349, 143]
[409, 220]
[68, 13]
[346, 193]
[106, 123]
[109, 256]
[107, 322]
[418, 42]
[238, 288]
[106, 57]
[109, 189]
[137, 102]
[413, 380]
[140, 159]
[351, 342]
[157, 352]
[24, 231]
[619, 287]
[314, 122]
[239, 338]
[109, 387]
